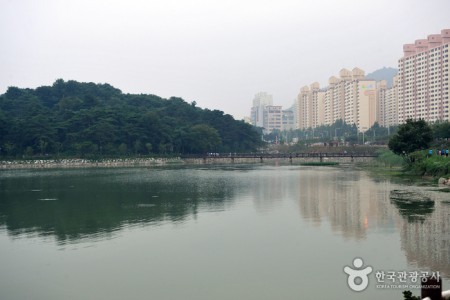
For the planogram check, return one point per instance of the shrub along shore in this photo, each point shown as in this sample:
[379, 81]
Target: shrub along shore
[415, 164]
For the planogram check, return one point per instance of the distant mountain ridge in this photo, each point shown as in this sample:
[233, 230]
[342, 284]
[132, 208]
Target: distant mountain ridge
[383, 74]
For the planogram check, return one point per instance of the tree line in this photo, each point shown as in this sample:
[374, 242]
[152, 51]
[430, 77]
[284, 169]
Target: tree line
[349, 133]
[71, 118]
[339, 130]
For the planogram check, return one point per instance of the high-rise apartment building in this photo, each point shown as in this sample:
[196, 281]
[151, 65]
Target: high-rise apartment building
[260, 101]
[391, 104]
[366, 104]
[288, 119]
[423, 79]
[329, 101]
[350, 98]
[381, 102]
[303, 108]
[318, 105]
[266, 115]
[273, 118]
[419, 91]
[310, 106]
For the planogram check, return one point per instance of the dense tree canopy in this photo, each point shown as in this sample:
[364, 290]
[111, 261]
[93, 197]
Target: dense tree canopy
[441, 130]
[411, 136]
[81, 119]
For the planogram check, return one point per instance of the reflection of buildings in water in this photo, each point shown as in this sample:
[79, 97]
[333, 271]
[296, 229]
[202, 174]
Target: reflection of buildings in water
[349, 201]
[353, 204]
[427, 242]
[269, 190]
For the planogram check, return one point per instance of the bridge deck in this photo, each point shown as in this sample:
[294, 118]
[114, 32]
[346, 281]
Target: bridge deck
[279, 155]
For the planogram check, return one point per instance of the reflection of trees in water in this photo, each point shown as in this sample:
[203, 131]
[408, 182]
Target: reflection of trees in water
[78, 206]
[412, 205]
[425, 230]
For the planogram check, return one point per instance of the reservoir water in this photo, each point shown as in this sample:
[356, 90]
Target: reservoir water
[216, 232]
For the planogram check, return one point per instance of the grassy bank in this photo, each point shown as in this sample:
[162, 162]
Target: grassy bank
[418, 164]
[436, 166]
[387, 158]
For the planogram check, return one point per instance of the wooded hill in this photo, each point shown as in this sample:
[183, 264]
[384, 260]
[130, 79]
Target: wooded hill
[86, 119]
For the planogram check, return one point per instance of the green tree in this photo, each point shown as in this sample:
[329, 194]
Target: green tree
[29, 151]
[71, 118]
[137, 146]
[86, 148]
[441, 130]
[10, 148]
[352, 139]
[407, 295]
[203, 138]
[42, 146]
[410, 137]
[123, 149]
[148, 146]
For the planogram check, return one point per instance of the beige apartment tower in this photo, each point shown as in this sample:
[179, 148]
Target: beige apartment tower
[391, 104]
[310, 106]
[350, 98]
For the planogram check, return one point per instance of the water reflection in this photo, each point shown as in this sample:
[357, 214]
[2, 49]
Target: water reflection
[332, 196]
[421, 215]
[412, 205]
[426, 240]
[72, 205]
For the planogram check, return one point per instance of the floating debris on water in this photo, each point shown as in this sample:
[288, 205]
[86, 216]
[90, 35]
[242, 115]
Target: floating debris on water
[48, 199]
[145, 205]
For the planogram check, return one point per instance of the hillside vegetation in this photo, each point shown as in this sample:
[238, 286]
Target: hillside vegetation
[86, 119]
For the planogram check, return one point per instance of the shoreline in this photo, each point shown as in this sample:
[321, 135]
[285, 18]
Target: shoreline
[86, 163]
[151, 161]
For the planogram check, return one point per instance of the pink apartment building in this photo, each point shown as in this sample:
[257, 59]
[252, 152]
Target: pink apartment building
[423, 79]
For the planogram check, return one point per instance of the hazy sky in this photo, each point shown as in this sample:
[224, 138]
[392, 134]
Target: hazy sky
[218, 53]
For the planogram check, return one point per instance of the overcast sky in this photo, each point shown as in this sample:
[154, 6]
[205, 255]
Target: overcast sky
[217, 53]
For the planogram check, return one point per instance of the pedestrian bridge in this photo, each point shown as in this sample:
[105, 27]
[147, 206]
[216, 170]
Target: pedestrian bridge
[261, 157]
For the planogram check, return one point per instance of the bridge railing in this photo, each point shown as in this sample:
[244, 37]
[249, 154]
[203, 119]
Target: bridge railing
[277, 155]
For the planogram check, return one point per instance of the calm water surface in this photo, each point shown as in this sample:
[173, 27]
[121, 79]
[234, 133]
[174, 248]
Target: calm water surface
[216, 232]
